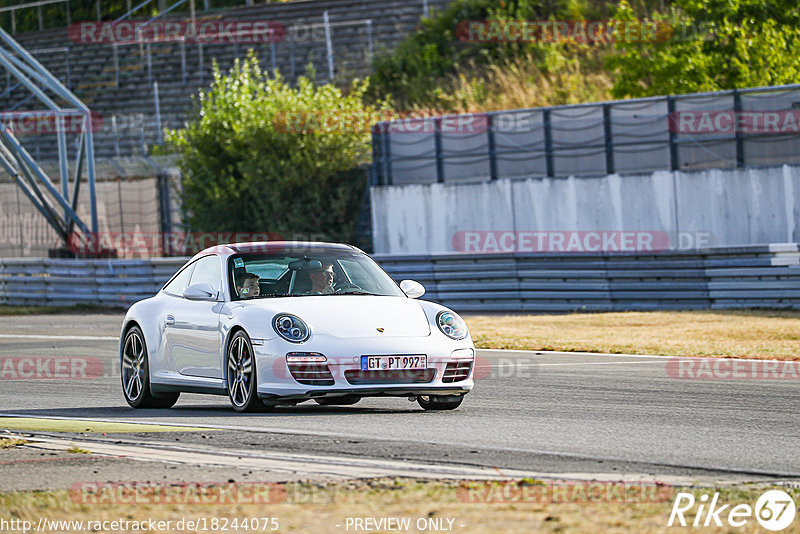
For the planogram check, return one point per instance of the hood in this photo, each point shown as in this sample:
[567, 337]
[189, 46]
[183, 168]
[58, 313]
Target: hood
[354, 316]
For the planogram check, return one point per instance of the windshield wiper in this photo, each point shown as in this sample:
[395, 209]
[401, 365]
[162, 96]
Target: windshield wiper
[353, 293]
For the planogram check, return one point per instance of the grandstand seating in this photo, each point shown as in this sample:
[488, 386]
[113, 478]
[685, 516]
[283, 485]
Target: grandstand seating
[126, 91]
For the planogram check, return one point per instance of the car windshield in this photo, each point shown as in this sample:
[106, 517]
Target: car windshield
[324, 272]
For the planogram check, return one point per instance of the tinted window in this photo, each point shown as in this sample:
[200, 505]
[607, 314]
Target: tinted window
[179, 283]
[207, 271]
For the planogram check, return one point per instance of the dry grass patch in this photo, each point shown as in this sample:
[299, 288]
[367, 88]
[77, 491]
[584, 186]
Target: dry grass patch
[320, 508]
[9, 441]
[722, 334]
[520, 84]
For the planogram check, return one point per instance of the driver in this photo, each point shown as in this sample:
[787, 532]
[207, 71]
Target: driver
[321, 280]
[247, 286]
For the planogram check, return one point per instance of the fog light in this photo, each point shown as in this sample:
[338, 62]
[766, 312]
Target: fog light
[463, 354]
[305, 357]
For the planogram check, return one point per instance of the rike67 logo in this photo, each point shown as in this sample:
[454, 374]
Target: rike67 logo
[774, 510]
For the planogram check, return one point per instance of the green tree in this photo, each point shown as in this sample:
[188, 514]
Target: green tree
[715, 44]
[261, 156]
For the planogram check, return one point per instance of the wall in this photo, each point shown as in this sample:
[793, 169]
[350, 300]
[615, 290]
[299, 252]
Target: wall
[708, 208]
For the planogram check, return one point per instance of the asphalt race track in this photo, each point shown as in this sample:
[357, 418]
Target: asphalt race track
[544, 413]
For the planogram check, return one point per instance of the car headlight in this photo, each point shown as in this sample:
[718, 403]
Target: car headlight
[451, 325]
[290, 328]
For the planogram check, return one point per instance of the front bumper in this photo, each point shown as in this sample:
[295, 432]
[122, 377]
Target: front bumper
[276, 381]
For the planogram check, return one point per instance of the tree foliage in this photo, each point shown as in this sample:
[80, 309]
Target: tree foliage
[248, 168]
[715, 44]
[426, 60]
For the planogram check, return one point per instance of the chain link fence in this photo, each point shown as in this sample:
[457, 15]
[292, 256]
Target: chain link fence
[137, 196]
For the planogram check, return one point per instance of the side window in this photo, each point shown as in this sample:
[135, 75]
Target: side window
[207, 271]
[179, 283]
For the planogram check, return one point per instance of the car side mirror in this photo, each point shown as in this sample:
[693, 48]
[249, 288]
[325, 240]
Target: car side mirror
[412, 288]
[201, 291]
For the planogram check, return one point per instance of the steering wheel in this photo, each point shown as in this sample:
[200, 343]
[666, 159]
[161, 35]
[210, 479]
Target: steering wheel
[347, 286]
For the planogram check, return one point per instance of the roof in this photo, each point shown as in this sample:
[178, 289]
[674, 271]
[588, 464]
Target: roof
[275, 246]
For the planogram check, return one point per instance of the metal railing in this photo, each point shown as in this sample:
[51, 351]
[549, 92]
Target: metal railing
[146, 52]
[206, 6]
[38, 5]
[619, 137]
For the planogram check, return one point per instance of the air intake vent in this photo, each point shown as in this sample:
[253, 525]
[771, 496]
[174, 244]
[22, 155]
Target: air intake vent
[398, 376]
[456, 371]
[311, 374]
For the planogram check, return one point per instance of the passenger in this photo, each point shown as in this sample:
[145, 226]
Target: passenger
[322, 280]
[247, 285]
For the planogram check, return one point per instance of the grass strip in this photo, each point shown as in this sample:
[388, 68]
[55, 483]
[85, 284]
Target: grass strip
[765, 334]
[77, 426]
[497, 507]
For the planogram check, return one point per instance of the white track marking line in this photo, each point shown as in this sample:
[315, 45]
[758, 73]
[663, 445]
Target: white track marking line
[438, 443]
[333, 466]
[577, 353]
[612, 355]
[78, 338]
[526, 364]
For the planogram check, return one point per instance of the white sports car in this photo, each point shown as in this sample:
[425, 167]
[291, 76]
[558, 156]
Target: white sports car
[282, 322]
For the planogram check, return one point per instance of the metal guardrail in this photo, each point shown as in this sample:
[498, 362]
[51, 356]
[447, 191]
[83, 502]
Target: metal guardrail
[763, 276]
[766, 276]
[67, 282]
[624, 137]
[38, 5]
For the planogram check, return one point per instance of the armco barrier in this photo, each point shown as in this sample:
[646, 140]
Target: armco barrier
[761, 276]
[766, 276]
[51, 282]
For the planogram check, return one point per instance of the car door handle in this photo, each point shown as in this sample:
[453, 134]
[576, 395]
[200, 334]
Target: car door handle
[170, 320]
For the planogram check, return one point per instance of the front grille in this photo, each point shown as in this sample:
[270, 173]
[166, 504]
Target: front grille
[457, 371]
[311, 374]
[395, 376]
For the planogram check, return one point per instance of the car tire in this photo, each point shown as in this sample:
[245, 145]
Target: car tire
[241, 375]
[440, 402]
[136, 374]
[345, 400]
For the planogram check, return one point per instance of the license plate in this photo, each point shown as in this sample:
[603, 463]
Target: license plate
[386, 363]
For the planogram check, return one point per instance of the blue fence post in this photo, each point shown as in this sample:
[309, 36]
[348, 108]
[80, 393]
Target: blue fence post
[674, 162]
[548, 143]
[374, 168]
[737, 109]
[492, 147]
[437, 140]
[609, 140]
[387, 154]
